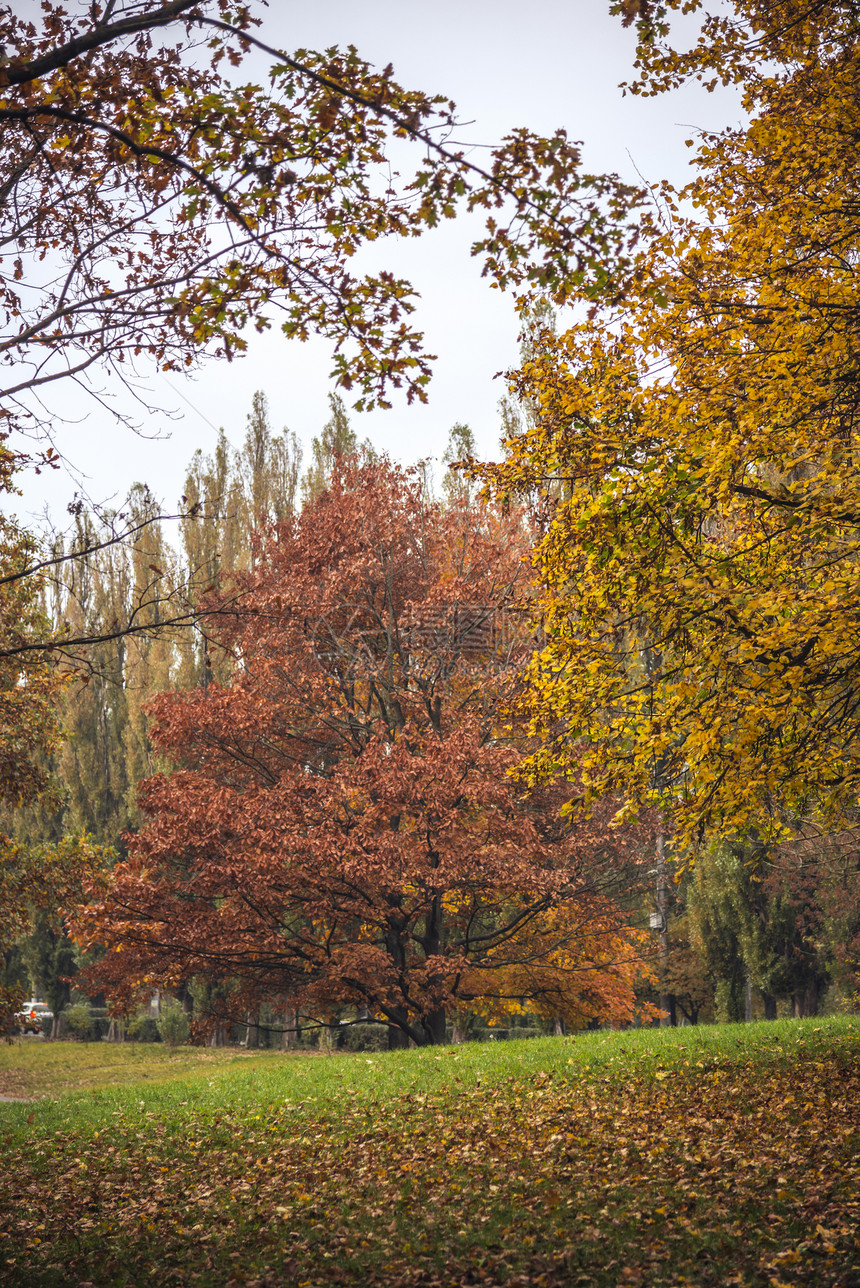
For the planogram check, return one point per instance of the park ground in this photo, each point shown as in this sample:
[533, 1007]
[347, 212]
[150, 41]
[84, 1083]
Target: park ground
[721, 1155]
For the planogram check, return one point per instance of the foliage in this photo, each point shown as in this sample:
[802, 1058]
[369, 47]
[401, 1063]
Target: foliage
[50, 958]
[38, 884]
[817, 878]
[337, 440]
[29, 686]
[43, 878]
[366, 1037]
[694, 448]
[460, 449]
[173, 1024]
[718, 1154]
[157, 205]
[79, 1021]
[340, 827]
[684, 971]
[96, 585]
[142, 1027]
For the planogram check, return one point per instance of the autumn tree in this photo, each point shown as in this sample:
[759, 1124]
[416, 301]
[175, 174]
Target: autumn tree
[150, 656]
[699, 562]
[460, 448]
[29, 685]
[267, 467]
[39, 884]
[157, 205]
[339, 827]
[109, 610]
[89, 594]
[99, 748]
[35, 879]
[337, 440]
[111, 613]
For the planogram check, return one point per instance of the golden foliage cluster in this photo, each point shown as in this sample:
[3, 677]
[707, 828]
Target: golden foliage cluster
[693, 448]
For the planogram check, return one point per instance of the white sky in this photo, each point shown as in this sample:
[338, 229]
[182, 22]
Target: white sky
[507, 63]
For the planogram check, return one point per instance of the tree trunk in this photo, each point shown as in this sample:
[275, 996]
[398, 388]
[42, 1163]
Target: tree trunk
[769, 1005]
[804, 1003]
[289, 1037]
[667, 1000]
[398, 1038]
[690, 1012]
[558, 1027]
[433, 1026]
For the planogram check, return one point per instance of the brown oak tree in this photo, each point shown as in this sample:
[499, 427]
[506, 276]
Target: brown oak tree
[340, 827]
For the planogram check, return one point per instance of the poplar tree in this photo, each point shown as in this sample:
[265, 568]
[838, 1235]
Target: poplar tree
[337, 442]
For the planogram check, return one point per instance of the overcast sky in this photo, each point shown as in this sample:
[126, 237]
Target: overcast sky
[543, 64]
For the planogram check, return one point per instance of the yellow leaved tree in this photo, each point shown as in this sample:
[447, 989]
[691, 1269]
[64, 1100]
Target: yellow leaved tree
[41, 880]
[694, 448]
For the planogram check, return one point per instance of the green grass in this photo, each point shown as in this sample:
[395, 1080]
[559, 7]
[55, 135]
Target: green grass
[32, 1068]
[713, 1155]
[120, 1074]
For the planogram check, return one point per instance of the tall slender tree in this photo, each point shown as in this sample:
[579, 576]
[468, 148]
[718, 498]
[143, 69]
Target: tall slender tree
[337, 442]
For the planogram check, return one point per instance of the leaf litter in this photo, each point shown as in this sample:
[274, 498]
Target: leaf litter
[743, 1173]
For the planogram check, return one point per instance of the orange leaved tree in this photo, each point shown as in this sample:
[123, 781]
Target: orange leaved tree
[340, 828]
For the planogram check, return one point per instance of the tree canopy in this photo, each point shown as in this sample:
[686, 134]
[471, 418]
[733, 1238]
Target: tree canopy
[694, 448]
[157, 201]
[339, 826]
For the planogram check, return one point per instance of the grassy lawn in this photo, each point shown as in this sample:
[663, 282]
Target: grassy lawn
[721, 1155]
[32, 1068]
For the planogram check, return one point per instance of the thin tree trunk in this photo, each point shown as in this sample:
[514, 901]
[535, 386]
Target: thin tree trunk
[252, 1032]
[669, 1017]
[289, 1037]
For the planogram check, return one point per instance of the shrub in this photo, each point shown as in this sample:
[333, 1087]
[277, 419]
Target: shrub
[173, 1025]
[364, 1037]
[142, 1028]
[100, 1020]
[79, 1022]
